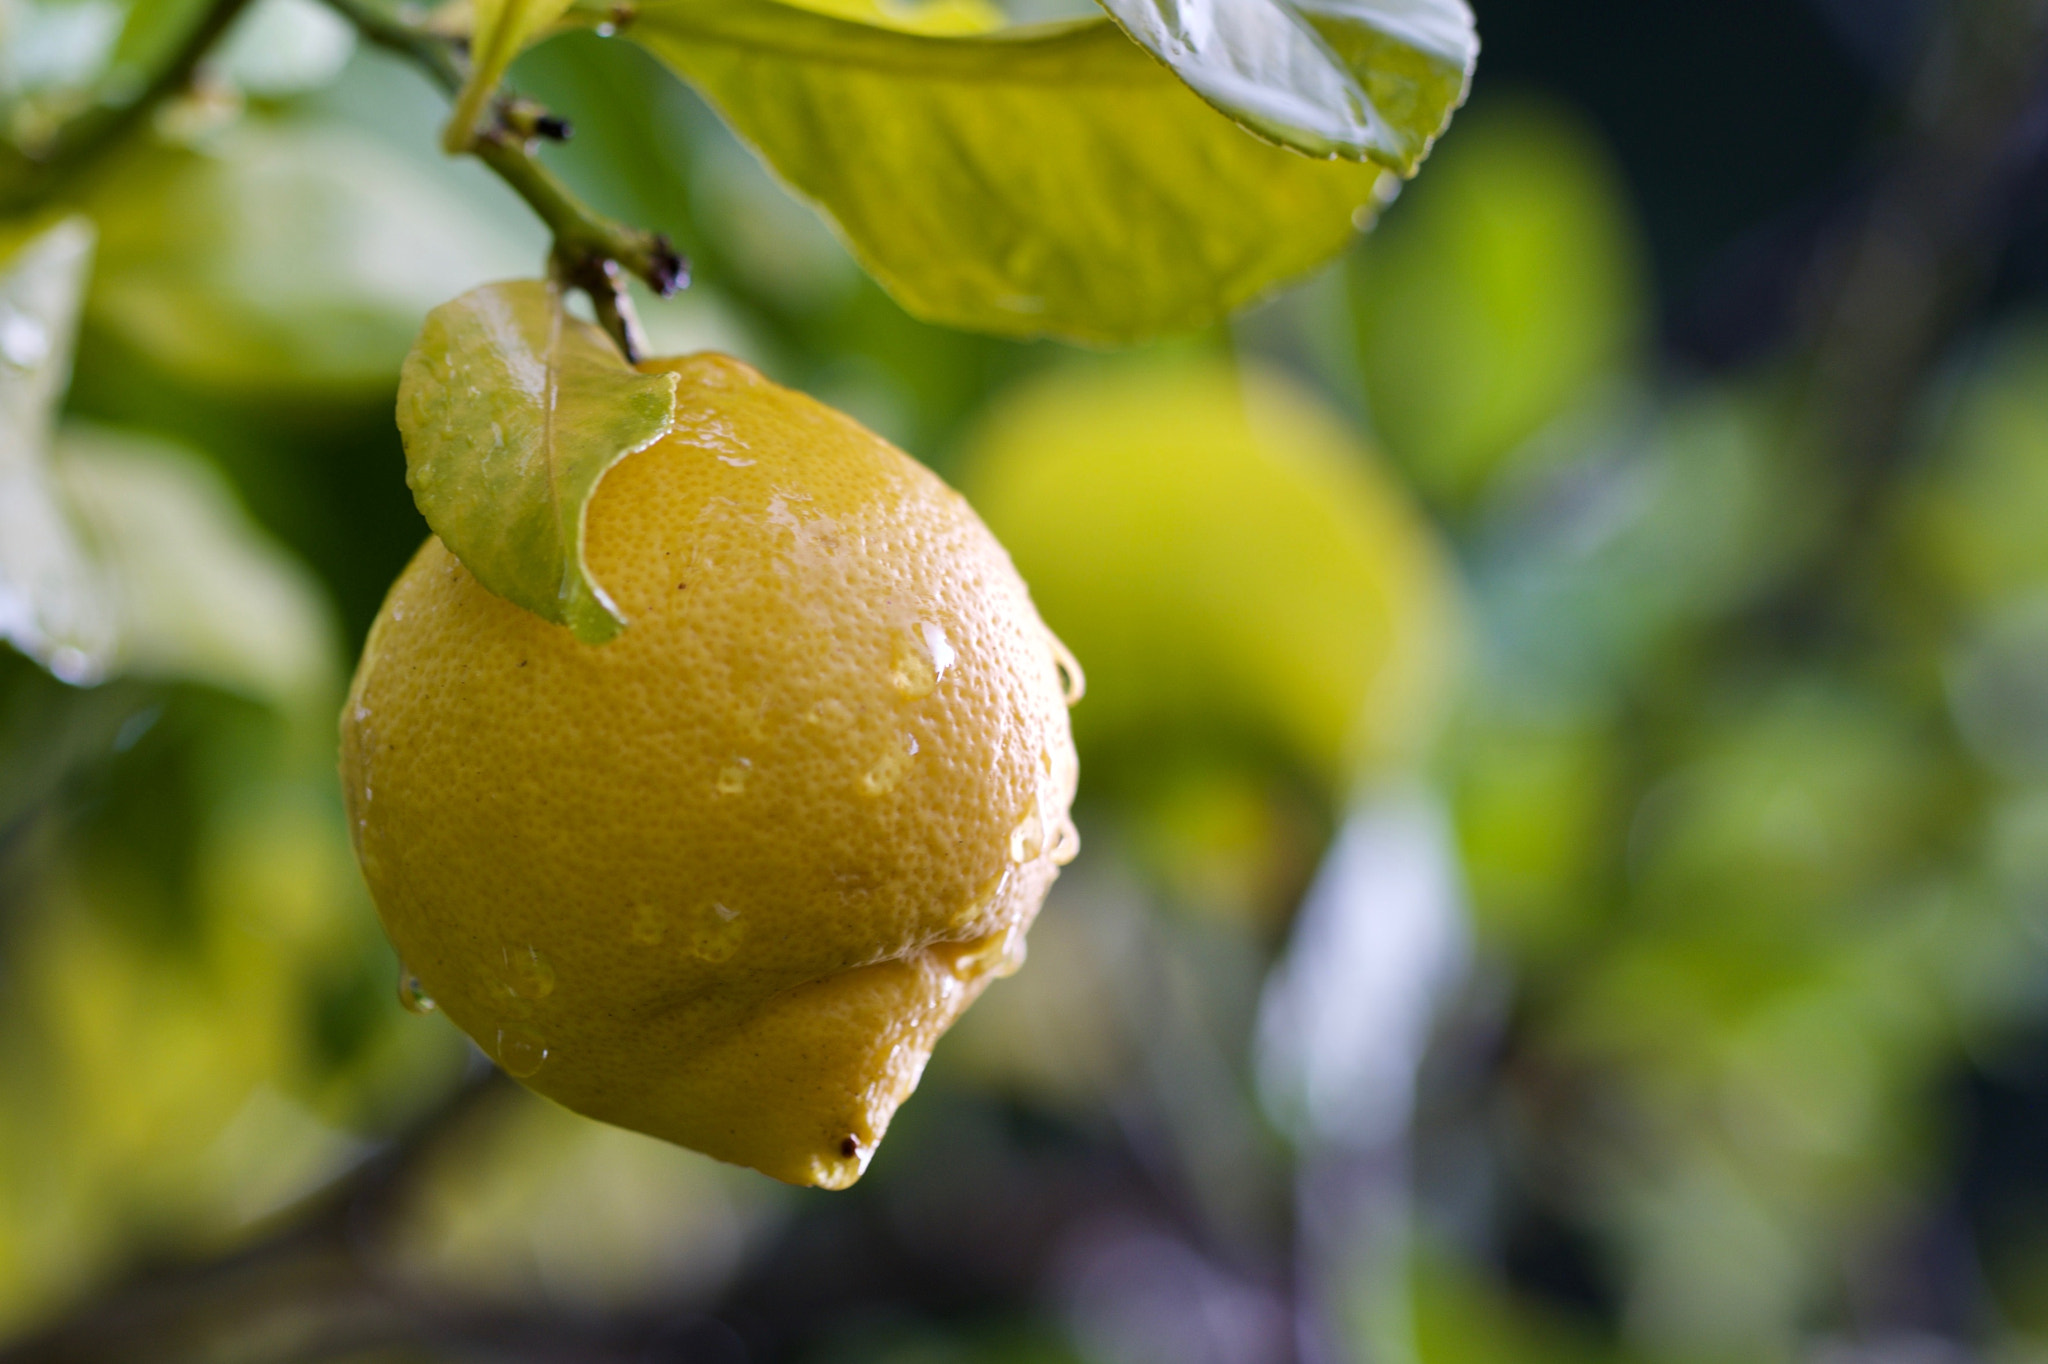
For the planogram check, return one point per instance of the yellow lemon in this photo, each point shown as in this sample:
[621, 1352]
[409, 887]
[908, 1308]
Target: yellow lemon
[728, 877]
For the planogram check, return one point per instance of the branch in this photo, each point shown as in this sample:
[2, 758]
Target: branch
[591, 252]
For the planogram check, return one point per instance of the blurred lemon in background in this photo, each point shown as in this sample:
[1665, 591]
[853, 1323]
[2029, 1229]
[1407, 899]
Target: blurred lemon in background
[727, 878]
[1235, 565]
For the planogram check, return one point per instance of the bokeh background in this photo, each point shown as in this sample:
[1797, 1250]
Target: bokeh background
[1565, 795]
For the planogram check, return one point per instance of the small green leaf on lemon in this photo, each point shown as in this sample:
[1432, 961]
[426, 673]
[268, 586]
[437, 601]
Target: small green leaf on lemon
[512, 411]
[1363, 80]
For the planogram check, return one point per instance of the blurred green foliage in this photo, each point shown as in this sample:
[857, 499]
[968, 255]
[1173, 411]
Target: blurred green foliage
[1750, 796]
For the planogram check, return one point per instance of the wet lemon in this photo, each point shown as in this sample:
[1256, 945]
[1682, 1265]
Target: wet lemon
[728, 877]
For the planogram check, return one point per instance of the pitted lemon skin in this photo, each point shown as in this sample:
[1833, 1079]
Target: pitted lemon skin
[728, 877]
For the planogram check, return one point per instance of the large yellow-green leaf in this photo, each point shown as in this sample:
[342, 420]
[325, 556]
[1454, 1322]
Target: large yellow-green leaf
[1360, 79]
[512, 411]
[1046, 181]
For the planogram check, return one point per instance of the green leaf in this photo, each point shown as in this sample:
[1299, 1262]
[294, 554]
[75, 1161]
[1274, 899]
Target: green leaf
[512, 411]
[1359, 79]
[53, 604]
[198, 592]
[499, 31]
[1507, 290]
[1046, 181]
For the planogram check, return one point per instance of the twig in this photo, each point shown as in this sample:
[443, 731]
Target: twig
[591, 251]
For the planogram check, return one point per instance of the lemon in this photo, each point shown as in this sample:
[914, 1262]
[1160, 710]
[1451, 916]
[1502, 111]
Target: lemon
[727, 878]
[1235, 564]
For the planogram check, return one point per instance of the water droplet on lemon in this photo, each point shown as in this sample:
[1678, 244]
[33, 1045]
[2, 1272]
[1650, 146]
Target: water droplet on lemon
[888, 770]
[1027, 839]
[520, 1053]
[527, 976]
[716, 932]
[412, 996]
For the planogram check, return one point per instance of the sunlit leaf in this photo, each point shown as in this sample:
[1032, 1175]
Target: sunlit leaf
[914, 16]
[512, 411]
[499, 31]
[198, 593]
[1359, 79]
[1047, 181]
[53, 603]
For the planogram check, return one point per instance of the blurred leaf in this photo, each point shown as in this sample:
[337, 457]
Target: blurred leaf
[1537, 814]
[199, 594]
[499, 31]
[531, 1202]
[1221, 553]
[53, 602]
[1359, 79]
[46, 45]
[1666, 520]
[288, 256]
[512, 411]
[1506, 286]
[1049, 181]
[283, 47]
[1976, 515]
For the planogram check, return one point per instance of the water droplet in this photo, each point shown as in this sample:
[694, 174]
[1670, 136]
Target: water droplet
[732, 778]
[911, 671]
[528, 975]
[716, 932]
[648, 925]
[888, 770]
[520, 1053]
[998, 954]
[1027, 840]
[830, 715]
[1073, 683]
[984, 898]
[412, 995]
[1066, 845]
[736, 463]
[938, 647]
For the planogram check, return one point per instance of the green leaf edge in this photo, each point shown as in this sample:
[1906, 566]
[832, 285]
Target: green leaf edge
[1319, 148]
[576, 601]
